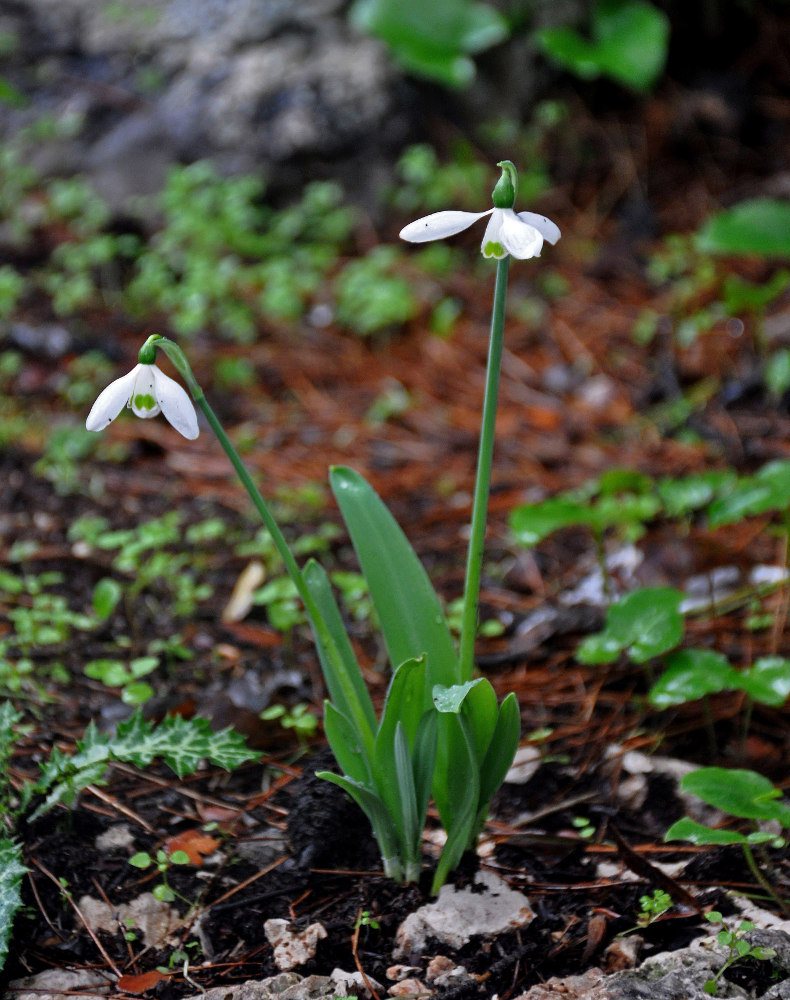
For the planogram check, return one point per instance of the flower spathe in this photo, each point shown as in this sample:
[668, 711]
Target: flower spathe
[519, 234]
[147, 391]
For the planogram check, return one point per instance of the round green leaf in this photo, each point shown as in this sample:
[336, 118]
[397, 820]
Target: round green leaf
[692, 674]
[738, 792]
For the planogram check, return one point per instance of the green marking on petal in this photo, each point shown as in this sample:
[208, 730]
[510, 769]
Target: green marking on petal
[144, 402]
[492, 249]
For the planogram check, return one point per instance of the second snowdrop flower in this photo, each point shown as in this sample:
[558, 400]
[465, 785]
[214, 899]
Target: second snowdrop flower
[147, 391]
[519, 234]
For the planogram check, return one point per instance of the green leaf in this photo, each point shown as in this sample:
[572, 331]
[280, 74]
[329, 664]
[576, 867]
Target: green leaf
[629, 44]
[371, 805]
[106, 595]
[464, 791]
[697, 833]
[347, 746]
[403, 704]
[411, 616]
[110, 672]
[693, 674]
[738, 792]
[643, 624]
[502, 748]
[438, 46]
[451, 699]
[11, 872]
[411, 820]
[760, 226]
[767, 681]
[181, 744]
[424, 760]
[531, 523]
[343, 677]
[768, 490]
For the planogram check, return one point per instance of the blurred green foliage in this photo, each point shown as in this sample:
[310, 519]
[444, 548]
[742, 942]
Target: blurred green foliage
[628, 43]
[435, 41]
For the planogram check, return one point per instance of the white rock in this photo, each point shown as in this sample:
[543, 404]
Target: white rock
[292, 948]
[460, 914]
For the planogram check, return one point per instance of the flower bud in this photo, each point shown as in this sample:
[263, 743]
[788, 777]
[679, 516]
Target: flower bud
[504, 194]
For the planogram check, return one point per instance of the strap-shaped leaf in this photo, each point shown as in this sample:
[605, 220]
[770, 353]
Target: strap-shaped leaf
[412, 822]
[423, 757]
[411, 616]
[403, 702]
[345, 684]
[375, 810]
[466, 789]
[346, 742]
[403, 707]
[501, 750]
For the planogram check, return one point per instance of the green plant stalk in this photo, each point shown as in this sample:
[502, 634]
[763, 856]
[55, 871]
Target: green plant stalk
[485, 458]
[754, 868]
[323, 634]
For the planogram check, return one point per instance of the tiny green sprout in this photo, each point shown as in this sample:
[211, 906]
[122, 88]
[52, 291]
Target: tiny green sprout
[584, 827]
[366, 920]
[652, 907]
[737, 947]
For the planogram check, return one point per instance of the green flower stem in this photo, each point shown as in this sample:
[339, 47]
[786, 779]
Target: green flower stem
[323, 635]
[474, 560]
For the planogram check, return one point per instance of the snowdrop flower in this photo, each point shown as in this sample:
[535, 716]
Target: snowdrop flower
[147, 391]
[520, 235]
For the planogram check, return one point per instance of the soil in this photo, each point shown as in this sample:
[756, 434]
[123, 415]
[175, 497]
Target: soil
[579, 395]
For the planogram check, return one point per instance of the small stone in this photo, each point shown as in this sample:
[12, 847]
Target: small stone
[487, 908]
[395, 973]
[438, 966]
[353, 984]
[292, 948]
[114, 838]
[407, 987]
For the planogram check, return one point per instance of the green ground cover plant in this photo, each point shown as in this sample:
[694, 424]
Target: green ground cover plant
[181, 743]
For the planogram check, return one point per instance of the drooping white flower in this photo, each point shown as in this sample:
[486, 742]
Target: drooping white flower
[147, 391]
[507, 232]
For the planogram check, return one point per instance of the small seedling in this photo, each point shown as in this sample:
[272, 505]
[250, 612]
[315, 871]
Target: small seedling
[736, 946]
[366, 920]
[299, 718]
[163, 891]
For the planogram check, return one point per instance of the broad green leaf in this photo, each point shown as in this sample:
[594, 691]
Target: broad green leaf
[760, 226]
[347, 746]
[738, 792]
[697, 833]
[110, 672]
[480, 710]
[767, 490]
[643, 624]
[692, 674]
[106, 595]
[767, 681]
[438, 46]
[531, 523]
[629, 44]
[411, 616]
[11, 872]
[690, 493]
[632, 38]
[343, 678]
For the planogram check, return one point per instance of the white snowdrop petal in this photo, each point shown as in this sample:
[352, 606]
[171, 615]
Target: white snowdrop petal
[492, 245]
[111, 401]
[176, 404]
[439, 225]
[519, 238]
[143, 402]
[548, 229]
